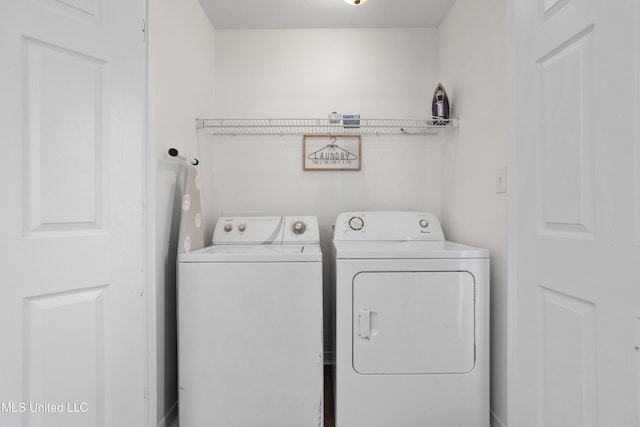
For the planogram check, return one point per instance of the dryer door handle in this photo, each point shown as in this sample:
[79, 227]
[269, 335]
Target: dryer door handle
[364, 323]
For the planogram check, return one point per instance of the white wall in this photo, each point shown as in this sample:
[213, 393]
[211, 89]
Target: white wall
[308, 74]
[473, 65]
[181, 66]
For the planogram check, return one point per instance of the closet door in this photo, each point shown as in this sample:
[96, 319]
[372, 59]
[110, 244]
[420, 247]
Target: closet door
[575, 294]
[71, 301]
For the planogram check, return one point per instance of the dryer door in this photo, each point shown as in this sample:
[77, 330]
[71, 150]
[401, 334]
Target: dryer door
[414, 322]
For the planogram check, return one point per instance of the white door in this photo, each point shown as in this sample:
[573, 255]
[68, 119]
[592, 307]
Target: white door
[71, 248]
[576, 289]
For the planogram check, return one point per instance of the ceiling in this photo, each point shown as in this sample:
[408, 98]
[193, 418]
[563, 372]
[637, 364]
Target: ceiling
[281, 14]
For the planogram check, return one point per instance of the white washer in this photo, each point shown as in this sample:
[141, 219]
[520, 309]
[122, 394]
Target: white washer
[250, 326]
[412, 324]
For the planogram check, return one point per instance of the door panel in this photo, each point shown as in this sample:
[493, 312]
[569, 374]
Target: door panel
[71, 227]
[63, 106]
[567, 333]
[64, 356]
[88, 10]
[565, 147]
[413, 322]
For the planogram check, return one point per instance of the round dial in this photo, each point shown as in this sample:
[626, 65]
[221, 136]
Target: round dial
[228, 227]
[424, 223]
[298, 227]
[356, 223]
[242, 227]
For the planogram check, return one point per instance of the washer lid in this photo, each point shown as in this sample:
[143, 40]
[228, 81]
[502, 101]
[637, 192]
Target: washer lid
[254, 253]
[410, 250]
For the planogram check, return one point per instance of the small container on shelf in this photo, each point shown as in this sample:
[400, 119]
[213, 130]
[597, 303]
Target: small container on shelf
[351, 120]
[334, 118]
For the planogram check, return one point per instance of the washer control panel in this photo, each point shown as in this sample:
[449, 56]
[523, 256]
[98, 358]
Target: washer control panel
[266, 230]
[383, 226]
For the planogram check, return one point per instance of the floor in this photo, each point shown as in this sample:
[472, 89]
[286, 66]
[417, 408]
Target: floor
[329, 420]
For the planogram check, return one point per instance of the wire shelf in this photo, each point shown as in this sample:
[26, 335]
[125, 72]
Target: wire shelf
[346, 126]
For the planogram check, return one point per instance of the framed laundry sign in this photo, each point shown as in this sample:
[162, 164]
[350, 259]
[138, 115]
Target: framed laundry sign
[331, 152]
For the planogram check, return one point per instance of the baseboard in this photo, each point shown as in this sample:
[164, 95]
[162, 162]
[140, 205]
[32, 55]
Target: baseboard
[495, 421]
[171, 419]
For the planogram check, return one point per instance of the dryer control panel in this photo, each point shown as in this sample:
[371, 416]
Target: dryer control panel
[266, 230]
[388, 226]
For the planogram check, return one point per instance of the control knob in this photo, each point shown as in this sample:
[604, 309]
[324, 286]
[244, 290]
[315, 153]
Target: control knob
[242, 227]
[298, 227]
[424, 223]
[356, 223]
[228, 227]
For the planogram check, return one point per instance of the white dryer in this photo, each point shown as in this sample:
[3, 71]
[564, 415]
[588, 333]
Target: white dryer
[412, 324]
[250, 326]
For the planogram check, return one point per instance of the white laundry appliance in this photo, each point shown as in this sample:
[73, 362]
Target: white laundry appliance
[250, 347]
[412, 324]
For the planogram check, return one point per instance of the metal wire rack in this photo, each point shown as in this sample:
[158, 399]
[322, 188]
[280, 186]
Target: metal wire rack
[430, 126]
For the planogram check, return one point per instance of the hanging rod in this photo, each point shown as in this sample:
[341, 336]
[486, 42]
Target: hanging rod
[174, 153]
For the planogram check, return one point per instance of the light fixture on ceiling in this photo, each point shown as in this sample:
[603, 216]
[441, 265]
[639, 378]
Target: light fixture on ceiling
[356, 2]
